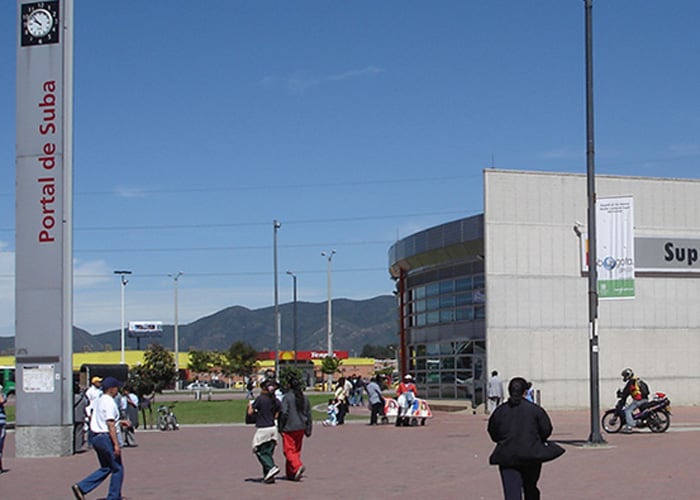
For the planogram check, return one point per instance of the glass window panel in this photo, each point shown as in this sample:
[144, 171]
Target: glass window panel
[463, 299]
[419, 292]
[463, 284]
[432, 289]
[433, 304]
[419, 306]
[447, 315]
[464, 314]
[433, 318]
[447, 286]
[479, 281]
[446, 301]
[464, 363]
[433, 350]
[421, 320]
[480, 312]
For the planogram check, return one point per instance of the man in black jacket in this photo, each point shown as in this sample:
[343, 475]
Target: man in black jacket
[520, 430]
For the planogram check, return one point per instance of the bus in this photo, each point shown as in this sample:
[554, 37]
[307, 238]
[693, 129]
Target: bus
[7, 380]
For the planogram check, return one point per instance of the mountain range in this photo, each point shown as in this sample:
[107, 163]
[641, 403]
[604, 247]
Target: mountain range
[355, 323]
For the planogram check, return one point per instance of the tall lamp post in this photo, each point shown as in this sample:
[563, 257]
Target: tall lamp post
[278, 322]
[122, 275]
[294, 278]
[595, 437]
[329, 256]
[176, 333]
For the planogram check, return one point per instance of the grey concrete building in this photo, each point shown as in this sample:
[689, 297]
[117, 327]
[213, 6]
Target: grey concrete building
[507, 290]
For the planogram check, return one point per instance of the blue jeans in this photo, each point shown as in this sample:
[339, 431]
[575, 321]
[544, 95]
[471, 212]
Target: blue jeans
[109, 464]
[629, 419]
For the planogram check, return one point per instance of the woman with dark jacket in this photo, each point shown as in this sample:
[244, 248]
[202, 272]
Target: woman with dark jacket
[520, 430]
[266, 408]
[294, 422]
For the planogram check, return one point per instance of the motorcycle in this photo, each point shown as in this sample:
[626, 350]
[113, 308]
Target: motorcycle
[167, 418]
[654, 414]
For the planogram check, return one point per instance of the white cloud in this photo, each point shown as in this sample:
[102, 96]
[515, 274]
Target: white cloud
[688, 149]
[90, 273]
[126, 192]
[300, 81]
[558, 154]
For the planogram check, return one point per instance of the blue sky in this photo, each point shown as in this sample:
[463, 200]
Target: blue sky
[197, 123]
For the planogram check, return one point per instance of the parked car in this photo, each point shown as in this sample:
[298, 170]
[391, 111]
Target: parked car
[218, 384]
[193, 386]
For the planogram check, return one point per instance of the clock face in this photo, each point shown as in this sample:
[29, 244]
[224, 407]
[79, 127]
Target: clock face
[39, 23]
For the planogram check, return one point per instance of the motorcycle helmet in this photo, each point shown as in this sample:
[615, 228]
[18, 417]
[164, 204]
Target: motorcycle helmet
[627, 374]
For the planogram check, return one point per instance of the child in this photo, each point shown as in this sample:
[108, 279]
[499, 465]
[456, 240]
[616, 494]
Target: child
[332, 410]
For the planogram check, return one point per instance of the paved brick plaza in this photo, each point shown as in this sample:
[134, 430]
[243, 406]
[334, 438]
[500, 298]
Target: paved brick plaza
[446, 459]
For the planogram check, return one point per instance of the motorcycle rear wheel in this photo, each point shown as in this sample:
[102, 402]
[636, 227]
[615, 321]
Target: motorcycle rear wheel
[612, 422]
[659, 421]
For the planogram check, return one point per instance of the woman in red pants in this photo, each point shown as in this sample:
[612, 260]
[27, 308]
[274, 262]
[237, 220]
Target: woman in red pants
[294, 422]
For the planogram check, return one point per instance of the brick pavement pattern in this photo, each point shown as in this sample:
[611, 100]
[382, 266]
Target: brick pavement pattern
[446, 459]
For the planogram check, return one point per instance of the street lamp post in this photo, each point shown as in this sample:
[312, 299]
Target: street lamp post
[329, 256]
[278, 322]
[176, 325]
[122, 275]
[294, 278]
[595, 436]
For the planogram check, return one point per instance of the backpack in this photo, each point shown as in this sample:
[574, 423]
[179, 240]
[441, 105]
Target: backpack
[643, 388]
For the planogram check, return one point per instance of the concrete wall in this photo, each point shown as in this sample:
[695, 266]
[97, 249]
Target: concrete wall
[537, 315]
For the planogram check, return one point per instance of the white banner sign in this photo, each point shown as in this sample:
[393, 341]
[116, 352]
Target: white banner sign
[615, 247]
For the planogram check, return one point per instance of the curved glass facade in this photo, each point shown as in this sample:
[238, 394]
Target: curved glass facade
[442, 297]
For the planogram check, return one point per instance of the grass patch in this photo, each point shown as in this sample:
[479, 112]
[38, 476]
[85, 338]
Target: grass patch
[230, 411]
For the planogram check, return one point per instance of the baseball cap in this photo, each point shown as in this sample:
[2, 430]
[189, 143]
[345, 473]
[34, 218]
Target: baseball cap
[110, 382]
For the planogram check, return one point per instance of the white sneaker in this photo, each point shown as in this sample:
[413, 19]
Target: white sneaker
[270, 476]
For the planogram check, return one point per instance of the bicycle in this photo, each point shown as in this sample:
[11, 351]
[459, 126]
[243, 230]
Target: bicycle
[166, 418]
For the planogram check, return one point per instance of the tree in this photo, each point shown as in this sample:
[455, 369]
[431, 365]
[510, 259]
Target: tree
[242, 358]
[201, 361]
[330, 365]
[156, 373]
[288, 373]
[378, 351]
[160, 366]
[140, 381]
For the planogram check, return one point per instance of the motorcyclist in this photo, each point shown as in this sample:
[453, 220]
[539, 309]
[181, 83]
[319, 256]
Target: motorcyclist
[631, 389]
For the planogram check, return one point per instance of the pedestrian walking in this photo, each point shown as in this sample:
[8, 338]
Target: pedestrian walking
[376, 400]
[520, 430]
[295, 422]
[3, 424]
[103, 436]
[266, 408]
[495, 387]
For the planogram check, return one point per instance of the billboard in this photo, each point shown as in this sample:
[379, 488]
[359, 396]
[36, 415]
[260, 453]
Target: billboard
[145, 328]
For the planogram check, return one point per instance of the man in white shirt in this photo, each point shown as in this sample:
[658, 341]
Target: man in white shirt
[103, 436]
[495, 388]
[92, 394]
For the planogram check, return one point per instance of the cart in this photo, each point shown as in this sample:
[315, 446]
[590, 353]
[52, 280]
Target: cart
[418, 411]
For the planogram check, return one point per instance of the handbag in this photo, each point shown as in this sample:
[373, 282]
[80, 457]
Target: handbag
[550, 451]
